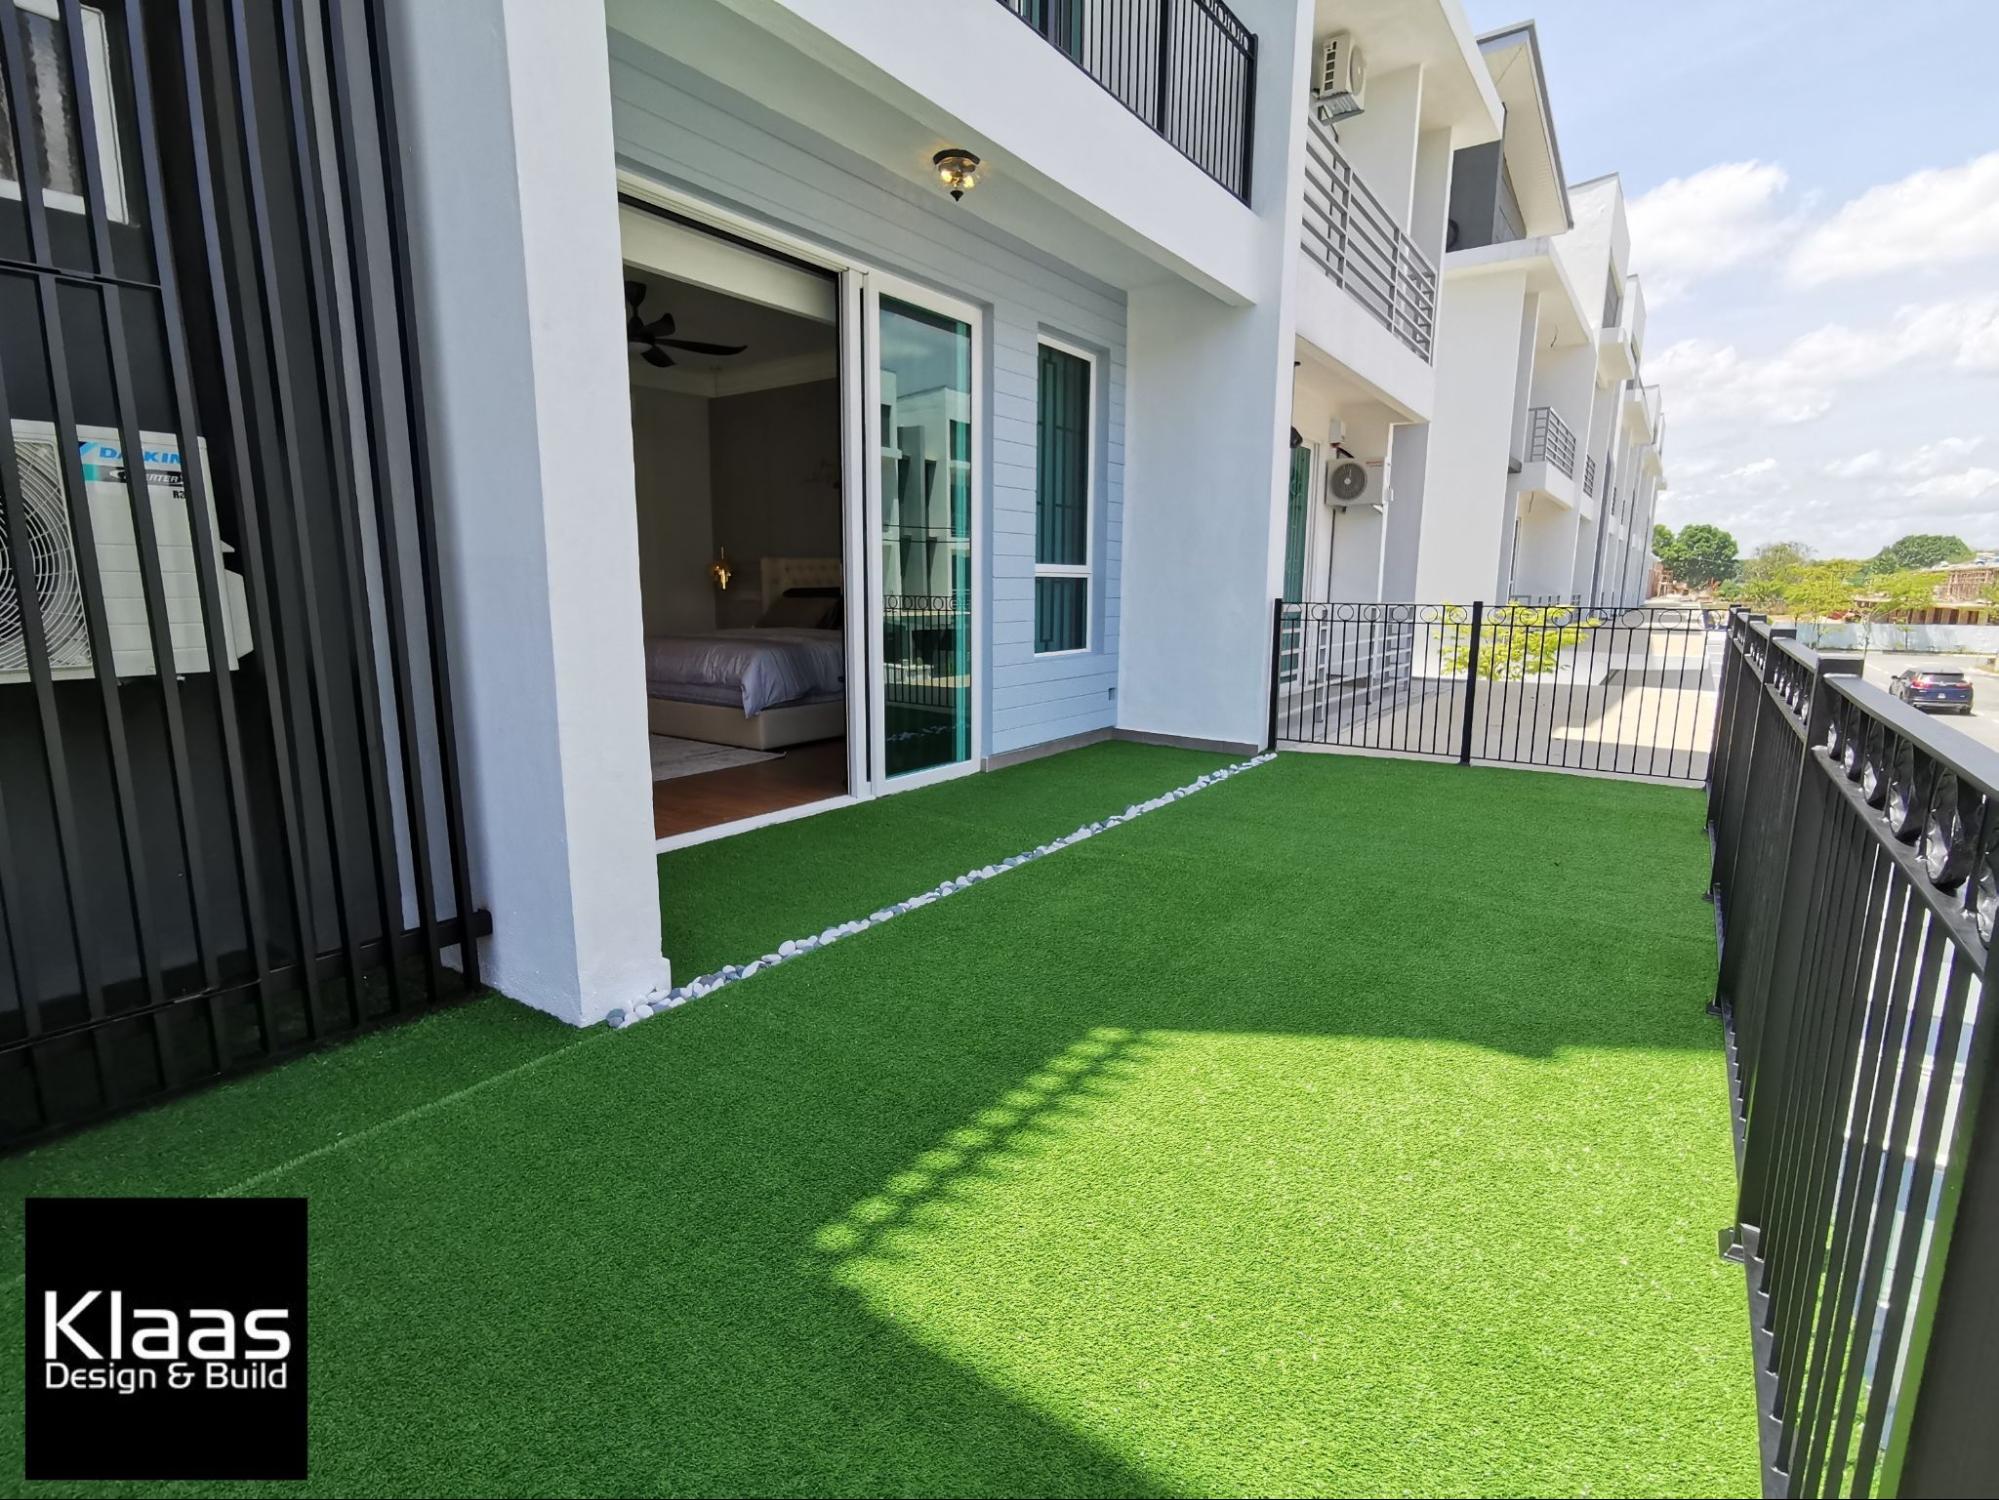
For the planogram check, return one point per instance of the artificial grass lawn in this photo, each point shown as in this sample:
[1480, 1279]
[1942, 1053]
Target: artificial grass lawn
[1352, 1127]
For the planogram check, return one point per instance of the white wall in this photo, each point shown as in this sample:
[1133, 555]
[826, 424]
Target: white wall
[1380, 142]
[1465, 505]
[675, 510]
[1209, 421]
[507, 133]
[688, 132]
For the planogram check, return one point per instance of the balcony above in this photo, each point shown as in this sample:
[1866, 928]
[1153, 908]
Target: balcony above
[1639, 405]
[1103, 150]
[1367, 294]
[1350, 234]
[1549, 466]
[1187, 69]
[1615, 358]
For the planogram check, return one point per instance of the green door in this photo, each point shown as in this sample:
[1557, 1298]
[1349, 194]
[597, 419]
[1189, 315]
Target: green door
[1294, 558]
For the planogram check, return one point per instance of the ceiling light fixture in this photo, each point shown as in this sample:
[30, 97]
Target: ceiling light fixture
[957, 169]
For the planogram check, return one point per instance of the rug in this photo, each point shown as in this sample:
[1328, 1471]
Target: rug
[672, 758]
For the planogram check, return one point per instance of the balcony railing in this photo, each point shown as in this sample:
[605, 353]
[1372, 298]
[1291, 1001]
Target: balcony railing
[1185, 67]
[1856, 885]
[1356, 241]
[1550, 440]
[1589, 476]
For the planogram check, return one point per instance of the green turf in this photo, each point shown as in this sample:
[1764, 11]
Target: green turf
[1353, 1127]
[812, 873]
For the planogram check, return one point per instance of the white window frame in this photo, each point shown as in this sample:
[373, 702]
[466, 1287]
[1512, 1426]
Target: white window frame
[1086, 569]
[110, 161]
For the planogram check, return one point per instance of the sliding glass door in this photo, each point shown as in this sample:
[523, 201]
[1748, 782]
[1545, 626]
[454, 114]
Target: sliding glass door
[923, 505]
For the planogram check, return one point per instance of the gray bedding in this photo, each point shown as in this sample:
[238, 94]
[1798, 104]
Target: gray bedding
[760, 668]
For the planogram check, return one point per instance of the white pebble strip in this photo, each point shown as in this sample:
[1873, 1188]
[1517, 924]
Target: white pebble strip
[792, 948]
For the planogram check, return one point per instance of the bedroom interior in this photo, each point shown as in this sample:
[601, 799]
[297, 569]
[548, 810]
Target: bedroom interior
[736, 430]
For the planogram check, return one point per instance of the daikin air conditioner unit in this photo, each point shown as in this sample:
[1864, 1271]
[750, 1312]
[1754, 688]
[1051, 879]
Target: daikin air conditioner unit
[56, 571]
[1339, 88]
[1352, 482]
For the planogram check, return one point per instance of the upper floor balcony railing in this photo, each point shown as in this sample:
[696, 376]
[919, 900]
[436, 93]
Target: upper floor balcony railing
[1185, 67]
[1550, 440]
[1356, 240]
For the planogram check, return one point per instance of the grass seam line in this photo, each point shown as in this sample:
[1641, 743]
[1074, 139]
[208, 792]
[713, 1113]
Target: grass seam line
[792, 948]
[414, 1112]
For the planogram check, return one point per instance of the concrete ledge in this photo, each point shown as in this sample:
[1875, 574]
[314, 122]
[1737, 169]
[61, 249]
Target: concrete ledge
[1187, 742]
[1047, 747]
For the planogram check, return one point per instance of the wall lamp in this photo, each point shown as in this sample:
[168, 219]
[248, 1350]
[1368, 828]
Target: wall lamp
[957, 169]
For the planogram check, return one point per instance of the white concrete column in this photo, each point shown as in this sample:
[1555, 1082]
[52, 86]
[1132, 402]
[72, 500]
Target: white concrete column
[1208, 408]
[507, 132]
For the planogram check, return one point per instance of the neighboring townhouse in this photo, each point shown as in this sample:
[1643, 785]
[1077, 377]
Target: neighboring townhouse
[1376, 188]
[1544, 456]
[617, 425]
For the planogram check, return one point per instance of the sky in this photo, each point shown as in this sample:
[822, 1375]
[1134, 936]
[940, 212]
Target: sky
[1813, 191]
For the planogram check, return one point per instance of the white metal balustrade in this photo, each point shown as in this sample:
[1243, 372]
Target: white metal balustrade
[1350, 234]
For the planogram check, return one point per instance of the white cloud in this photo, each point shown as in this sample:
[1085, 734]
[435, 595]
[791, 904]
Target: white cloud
[1706, 380]
[1938, 217]
[1693, 226]
[1931, 458]
[1965, 484]
[1873, 461]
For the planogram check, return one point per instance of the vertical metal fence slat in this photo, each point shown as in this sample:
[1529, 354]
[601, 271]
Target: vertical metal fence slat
[277, 670]
[1929, 1138]
[333, 357]
[274, 414]
[208, 582]
[13, 499]
[1885, 1023]
[417, 420]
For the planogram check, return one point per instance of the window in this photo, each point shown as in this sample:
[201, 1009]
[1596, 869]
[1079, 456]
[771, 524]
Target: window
[1063, 479]
[54, 114]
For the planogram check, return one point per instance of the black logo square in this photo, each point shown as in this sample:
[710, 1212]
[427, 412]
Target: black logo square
[166, 1338]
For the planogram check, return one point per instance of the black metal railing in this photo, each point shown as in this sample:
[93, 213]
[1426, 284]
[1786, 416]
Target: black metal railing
[229, 808]
[1595, 688]
[1856, 878]
[1550, 440]
[1187, 68]
[1350, 234]
[926, 679]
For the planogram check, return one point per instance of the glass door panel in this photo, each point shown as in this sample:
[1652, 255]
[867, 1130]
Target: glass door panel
[925, 415]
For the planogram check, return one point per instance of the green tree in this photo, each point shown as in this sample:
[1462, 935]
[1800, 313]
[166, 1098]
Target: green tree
[1662, 538]
[1921, 550]
[1820, 589]
[1700, 556]
[1769, 573]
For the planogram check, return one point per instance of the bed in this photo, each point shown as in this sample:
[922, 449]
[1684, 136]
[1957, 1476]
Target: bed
[780, 682]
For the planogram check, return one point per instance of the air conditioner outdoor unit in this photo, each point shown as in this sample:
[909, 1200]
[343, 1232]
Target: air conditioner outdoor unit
[55, 569]
[1339, 88]
[1352, 482]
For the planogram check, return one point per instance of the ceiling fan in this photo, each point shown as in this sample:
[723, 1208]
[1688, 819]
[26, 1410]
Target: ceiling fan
[650, 341]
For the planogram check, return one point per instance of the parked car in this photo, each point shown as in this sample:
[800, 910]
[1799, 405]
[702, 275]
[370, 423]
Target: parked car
[1932, 687]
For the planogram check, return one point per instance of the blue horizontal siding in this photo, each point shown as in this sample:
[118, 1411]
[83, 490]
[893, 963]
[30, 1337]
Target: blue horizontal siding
[692, 133]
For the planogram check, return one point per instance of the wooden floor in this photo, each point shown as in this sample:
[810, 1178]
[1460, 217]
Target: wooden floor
[804, 773]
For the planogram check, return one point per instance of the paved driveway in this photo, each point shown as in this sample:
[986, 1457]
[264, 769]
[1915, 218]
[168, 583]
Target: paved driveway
[1982, 723]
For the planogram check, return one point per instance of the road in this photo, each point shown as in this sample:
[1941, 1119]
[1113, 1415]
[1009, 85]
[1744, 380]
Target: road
[1982, 723]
